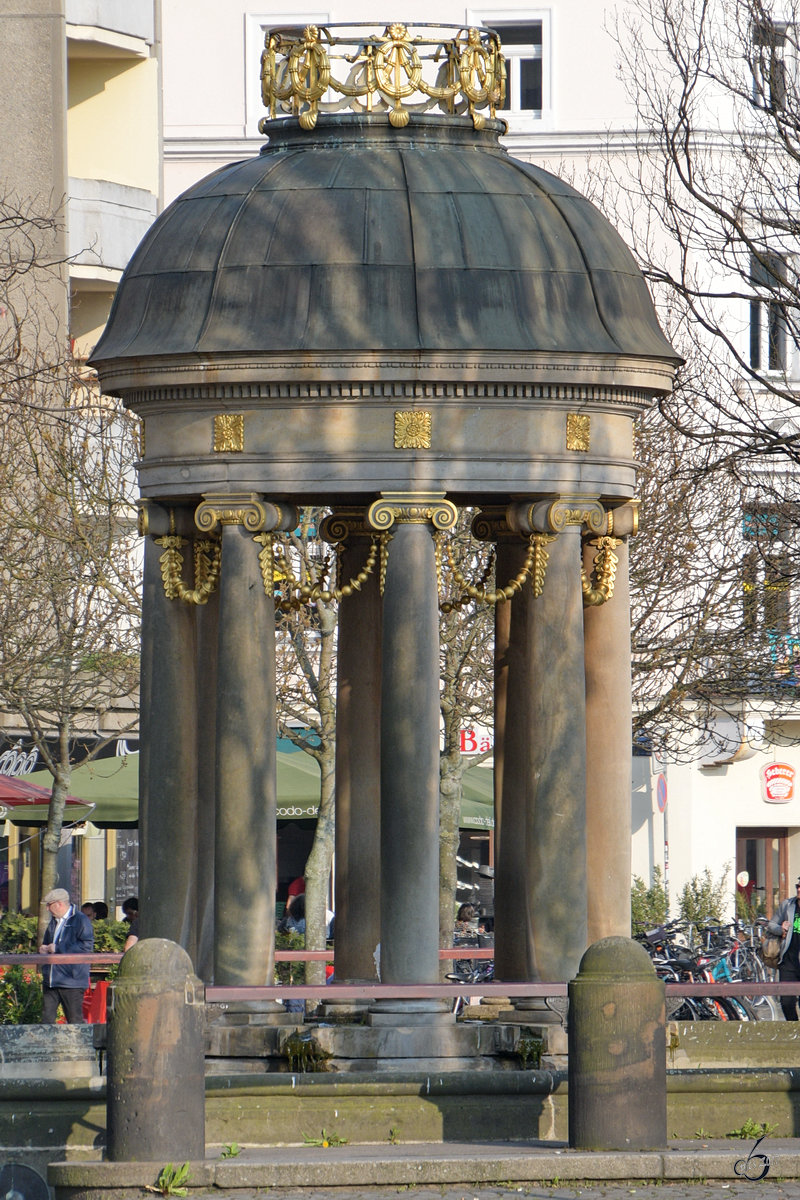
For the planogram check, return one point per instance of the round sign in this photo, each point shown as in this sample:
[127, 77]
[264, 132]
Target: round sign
[743, 878]
[661, 792]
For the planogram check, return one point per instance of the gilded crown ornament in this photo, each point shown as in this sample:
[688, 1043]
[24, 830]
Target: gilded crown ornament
[404, 69]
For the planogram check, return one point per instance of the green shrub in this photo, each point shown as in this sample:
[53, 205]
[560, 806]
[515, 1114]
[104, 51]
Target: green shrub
[289, 972]
[20, 996]
[109, 936]
[648, 904]
[703, 901]
[18, 934]
[749, 911]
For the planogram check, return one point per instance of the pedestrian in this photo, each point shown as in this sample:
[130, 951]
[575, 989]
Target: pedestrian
[68, 932]
[785, 924]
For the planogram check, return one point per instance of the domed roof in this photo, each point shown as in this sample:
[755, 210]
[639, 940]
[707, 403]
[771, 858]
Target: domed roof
[360, 236]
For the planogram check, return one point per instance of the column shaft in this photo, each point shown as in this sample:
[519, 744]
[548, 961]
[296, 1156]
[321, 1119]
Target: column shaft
[607, 638]
[207, 643]
[410, 760]
[556, 833]
[514, 948]
[168, 767]
[358, 769]
[245, 858]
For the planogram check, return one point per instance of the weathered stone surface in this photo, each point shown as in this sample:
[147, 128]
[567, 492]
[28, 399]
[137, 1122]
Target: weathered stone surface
[47, 1052]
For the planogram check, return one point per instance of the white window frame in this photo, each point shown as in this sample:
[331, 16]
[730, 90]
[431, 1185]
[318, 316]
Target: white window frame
[763, 306]
[522, 120]
[255, 27]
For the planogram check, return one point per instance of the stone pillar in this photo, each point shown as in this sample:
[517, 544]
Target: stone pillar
[357, 876]
[410, 743]
[607, 644]
[556, 754]
[156, 1067]
[207, 638]
[246, 740]
[617, 1050]
[513, 941]
[168, 761]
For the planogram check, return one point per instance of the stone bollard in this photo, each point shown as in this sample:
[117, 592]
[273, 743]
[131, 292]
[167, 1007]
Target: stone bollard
[156, 1064]
[617, 1051]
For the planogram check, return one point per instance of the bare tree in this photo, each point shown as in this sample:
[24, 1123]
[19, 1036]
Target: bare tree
[69, 604]
[703, 187]
[707, 195]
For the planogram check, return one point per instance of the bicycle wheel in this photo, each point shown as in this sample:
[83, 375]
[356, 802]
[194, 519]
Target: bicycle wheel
[737, 1008]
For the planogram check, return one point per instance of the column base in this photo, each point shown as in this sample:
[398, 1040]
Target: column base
[250, 1012]
[534, 1010]
[410, 1012]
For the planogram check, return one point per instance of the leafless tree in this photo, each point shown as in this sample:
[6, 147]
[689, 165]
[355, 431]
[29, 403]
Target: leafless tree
[69, 600]
[713, 203]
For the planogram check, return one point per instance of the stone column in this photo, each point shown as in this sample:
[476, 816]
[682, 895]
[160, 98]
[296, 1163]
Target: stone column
[556, 756]
[246, 738]
[357, 876]
[410, 743]
[168, 761]
[207, 638]
[607, 647]
[513, 942]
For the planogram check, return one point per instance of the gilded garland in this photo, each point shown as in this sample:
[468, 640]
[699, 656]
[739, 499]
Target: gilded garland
[326, 68]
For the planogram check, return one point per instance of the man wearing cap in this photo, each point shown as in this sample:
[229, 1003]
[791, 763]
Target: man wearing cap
[785, 924]
[69, 932]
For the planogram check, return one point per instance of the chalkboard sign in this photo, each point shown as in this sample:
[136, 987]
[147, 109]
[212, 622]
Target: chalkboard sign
[127, 864]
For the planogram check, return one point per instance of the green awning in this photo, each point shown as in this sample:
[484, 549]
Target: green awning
[112, 786]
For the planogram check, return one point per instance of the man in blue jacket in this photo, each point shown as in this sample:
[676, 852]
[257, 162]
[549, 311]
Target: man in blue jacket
[69, 932]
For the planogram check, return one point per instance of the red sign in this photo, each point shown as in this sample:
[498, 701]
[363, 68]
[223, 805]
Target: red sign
[777, 783]
[475, 741]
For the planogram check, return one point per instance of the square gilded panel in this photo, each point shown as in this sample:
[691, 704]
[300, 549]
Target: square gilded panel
[412, 430]
[578, 431]
[229, 433]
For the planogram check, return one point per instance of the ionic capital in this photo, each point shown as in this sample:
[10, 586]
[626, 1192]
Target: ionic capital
[557, 515]
[624, 520]
[247, 509]
[412, 508]
[346, 524]
[491, 525]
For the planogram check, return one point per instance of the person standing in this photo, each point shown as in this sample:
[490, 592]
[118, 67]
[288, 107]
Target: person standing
[785, 924]
[69, 932]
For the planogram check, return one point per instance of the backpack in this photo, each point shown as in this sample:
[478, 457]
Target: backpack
[770, 950]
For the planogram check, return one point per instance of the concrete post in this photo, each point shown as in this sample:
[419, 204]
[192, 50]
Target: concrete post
[357, 883]
[156, 1066]
[168, 766]
[410, 743]
[607, 643]
[617, 1050]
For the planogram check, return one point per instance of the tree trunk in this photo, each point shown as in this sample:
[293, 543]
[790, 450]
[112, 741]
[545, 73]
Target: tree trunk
[318, 870]
[51, 841]
[451, 767]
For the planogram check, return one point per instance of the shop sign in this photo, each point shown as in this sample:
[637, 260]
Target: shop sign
[777, 783]
[476, 740]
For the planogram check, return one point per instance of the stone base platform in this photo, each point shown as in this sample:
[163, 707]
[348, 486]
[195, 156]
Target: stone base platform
[418, 1164]
[345, 1047]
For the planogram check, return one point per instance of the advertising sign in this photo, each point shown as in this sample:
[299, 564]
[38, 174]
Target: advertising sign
[777, 783]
